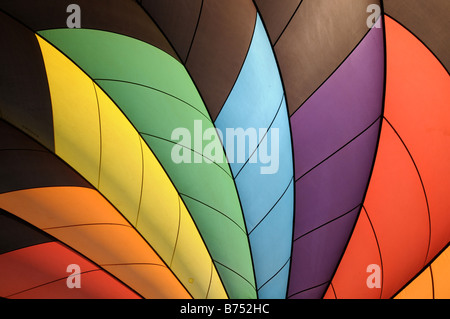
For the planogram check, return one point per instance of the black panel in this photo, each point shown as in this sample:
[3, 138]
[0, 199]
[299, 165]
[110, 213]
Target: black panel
[24, 93]
[16, 233]
[24, 164]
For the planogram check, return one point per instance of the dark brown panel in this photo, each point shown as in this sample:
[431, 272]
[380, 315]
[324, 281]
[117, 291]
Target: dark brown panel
[429, 21]
[24, 93]
[178, 20]
[276, 15]
[16, 233]
[24, 164]
[219, 49]
[319, 37]
[120, 16]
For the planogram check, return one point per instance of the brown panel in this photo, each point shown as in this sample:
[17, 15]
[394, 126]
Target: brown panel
[120, 16]
[24, 93]
[429, 21]
[276, 15]
[219, 49]
[24, 164]
[177, 19]
[320, 36]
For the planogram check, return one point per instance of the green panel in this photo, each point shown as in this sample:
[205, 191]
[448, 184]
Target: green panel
[156, 93]
[229, 245]
[106, 55]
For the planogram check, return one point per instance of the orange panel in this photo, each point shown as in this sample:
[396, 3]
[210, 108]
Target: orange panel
[88, 223]
[81, 206]
[396, 205]
[420, 288]
[114, 244]
[417, 105]
[350, 280]
[441, 275]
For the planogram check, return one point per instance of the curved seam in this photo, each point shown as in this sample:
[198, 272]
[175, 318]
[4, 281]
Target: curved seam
[190, 149]
[310, 288]
[423, 188]
[287, 24]
[178, 232]
[264, 136]
[142, 182]
[334, 291]
[379, 250]
[421, 41]
[210, 279]
[275, 274]
[339, 149]
[273, 206]
[432, 282]
[85, 224]
[234, 271]
[215, 209]
[134, 264]
[333, 72]
[423, 269]
[100, 136]
[195, 33]
[240, 69]
[64, 278]
[156, 90]
[328, 222]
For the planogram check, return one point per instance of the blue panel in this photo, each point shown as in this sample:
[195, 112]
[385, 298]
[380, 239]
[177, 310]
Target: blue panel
[264, 174]
[271, 242]
[257, 93]
[275, 288]
[258, 191]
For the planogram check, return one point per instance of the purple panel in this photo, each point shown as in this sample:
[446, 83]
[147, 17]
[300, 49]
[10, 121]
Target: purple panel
[315, 257]
[342, 107]
[337, 185]
[314, 293]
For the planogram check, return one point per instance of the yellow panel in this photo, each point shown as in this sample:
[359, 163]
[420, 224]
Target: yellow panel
[163, 217]
[441, 275]
[216, 290]
[121, 163]
[75, 113]
[194, 272]
[159, 211]
[419, 288]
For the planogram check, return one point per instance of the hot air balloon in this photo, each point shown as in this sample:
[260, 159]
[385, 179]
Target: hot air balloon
[200, 149]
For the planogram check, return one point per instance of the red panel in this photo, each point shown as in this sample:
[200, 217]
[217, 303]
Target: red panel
[418, 106]
[397, 211]
[350, 280]
[47, 263]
